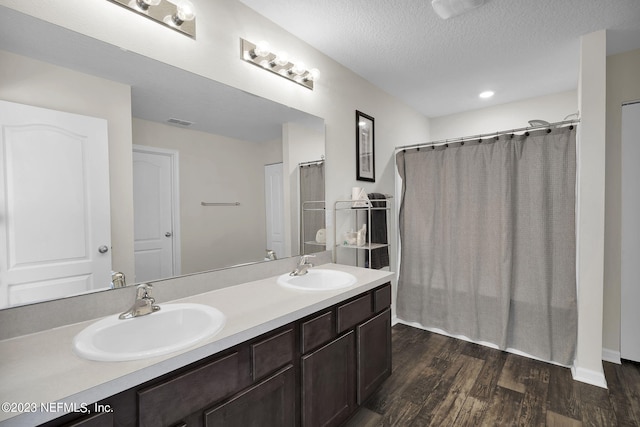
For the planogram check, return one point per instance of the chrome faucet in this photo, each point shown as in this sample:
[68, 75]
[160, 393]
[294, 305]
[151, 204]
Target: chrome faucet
[303, 266]
[271, 255]
[144, 303]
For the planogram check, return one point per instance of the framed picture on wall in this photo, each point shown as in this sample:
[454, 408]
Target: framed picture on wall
[365, 153]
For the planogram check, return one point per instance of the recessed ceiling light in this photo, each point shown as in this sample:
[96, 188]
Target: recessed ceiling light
[487, 94]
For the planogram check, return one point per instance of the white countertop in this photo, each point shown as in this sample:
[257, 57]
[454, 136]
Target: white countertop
[42, 368]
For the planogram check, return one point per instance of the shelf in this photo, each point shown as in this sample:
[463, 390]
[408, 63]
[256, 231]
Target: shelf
[371, 246]
[314, 243]
[363, 214]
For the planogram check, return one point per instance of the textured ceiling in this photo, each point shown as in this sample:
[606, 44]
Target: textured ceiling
[518, 48]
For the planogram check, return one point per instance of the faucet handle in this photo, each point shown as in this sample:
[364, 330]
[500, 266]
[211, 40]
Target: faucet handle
[304, 259]
[143, 290]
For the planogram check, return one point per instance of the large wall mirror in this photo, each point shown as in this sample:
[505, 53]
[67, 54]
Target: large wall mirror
[214, 172]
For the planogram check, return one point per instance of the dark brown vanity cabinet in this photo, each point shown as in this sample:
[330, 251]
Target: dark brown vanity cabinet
[354, 359]
[313, 372]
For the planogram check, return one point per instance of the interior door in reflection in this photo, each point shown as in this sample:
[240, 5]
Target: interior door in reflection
[155, 236]
[55, 234]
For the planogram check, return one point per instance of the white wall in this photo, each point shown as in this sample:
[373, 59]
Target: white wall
[590, 210]
[552, 108]
[513, 115]
[36, 83]
[215, 169]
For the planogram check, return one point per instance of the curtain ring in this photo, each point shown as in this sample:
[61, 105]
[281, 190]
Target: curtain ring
[548, 130]
[526, 134]
[446, 145]
[433, 147]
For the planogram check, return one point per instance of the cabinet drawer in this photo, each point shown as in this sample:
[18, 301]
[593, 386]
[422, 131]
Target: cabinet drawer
[354, 312]
[167, 403]
[317, 331]
[271, 353]
[382, 298]
[104, 419]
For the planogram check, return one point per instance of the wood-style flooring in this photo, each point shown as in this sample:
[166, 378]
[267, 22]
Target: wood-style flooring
[442, 381]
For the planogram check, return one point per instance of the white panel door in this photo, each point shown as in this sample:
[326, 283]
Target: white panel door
[54, 204]
[630, 290]
[274, 205]
[153, 213]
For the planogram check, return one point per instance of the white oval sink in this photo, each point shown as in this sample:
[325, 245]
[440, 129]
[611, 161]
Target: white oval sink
[318, 279]
[173, 328]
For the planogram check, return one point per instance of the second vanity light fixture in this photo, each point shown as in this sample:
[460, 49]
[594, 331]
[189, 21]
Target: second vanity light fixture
[178, 15]
[261, 55]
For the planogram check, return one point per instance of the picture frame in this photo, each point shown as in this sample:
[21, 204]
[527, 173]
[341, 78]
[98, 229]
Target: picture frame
[365, 147]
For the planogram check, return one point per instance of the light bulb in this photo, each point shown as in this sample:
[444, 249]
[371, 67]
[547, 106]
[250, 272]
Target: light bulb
[313, 74]
[298, 68]
[143, 5]
[282, 59]
[184, 12]
[261, 49]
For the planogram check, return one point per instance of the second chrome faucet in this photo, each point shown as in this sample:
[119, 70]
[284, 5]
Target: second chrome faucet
[303, 266]
[144, 303]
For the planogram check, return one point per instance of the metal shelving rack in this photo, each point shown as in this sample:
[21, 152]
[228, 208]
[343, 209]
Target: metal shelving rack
[365, 206]
[309, 206]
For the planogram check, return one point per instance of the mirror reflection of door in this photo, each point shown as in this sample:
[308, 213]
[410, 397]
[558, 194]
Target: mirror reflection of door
[274, 207]
[155, 219]
[630, 242]
[55, 229]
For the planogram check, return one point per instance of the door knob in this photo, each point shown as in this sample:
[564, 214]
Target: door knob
[103, 249]
[168, 234]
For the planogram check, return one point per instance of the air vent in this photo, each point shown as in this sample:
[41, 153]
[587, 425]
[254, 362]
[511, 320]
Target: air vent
[179, 122]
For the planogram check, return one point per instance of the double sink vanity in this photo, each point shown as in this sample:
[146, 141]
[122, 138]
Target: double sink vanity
[282, 351]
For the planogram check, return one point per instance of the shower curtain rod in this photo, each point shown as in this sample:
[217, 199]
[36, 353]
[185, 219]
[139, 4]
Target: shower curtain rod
[486, 135]
[312, 162]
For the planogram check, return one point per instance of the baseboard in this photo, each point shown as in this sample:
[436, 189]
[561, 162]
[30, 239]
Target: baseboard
[588, 376]
[611, 356]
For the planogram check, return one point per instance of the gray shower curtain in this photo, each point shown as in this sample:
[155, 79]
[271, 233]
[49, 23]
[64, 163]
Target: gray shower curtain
[311, 190]
[487, 234]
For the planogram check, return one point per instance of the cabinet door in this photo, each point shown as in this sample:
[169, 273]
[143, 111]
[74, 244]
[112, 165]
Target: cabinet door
[374, 354]
[328, 383]
[269, 403]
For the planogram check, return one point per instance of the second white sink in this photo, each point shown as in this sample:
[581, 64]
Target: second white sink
[318, 279]
[173, 328]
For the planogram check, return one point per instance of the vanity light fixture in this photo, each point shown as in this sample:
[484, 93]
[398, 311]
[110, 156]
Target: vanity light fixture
[178, 15]
[260, 54]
